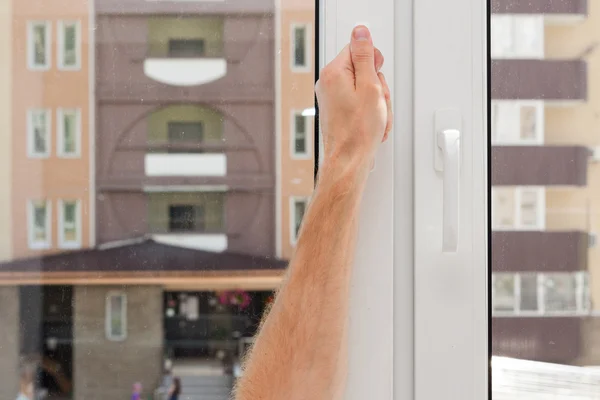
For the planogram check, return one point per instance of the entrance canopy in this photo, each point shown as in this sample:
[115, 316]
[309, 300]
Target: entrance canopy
[145, 261]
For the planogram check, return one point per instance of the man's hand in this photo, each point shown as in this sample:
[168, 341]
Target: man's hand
[301, 351]
[355, 109]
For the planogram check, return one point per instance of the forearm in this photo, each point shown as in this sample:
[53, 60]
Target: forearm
[300, 351]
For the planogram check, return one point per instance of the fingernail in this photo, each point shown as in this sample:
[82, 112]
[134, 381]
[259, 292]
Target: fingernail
[361, 33]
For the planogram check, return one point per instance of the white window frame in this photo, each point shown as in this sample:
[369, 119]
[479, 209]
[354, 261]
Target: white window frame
[37, 244]
[307, 67]
[540, 123]
[62, 242]
[31, 153]
[30, 47]
[293, 201]
[308, 136]
[518, 194]
[108, 315]
[580, 296]
[422, 317]
[62, 24]
[60, 134]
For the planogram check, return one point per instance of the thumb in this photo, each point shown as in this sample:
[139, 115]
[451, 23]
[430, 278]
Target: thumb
[363, 55]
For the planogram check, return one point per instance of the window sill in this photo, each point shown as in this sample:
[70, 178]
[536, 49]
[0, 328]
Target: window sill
[39, 246]
[70, 245]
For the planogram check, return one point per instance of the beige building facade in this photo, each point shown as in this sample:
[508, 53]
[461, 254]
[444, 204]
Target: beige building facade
[295, 118]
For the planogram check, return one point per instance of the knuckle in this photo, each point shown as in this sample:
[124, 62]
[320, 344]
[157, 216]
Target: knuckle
[362, 56]
[373, 90]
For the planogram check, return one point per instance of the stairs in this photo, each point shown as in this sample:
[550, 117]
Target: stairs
[201, 381]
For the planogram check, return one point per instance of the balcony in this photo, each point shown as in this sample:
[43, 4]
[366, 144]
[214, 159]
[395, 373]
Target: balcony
[185, 71]
[549, 80]
[166, 164]
[547, 339]
[163, 59]
[539, 165]
[551, 7]
[539, 251]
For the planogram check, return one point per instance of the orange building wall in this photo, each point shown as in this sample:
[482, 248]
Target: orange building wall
[297, 93]
[52, 178]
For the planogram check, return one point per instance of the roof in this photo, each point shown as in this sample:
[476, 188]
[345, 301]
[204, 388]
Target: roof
[143, 255]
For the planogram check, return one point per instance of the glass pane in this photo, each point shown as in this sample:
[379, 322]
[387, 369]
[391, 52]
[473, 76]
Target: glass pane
[70, 45]
[180, 196]
[504, 292]
[299, 209]
[529, 293]
[542, 129]
[116, 316]
[528, 122]
[40, 218]
[300, 46]
[69, 132]
[529, 209]
[560, 292]
[39, 45]
[503, 208]
[300, 139]
[40, 132]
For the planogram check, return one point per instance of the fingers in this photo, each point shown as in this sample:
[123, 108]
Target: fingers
[363, 56]
[378, 59]
[388, 102]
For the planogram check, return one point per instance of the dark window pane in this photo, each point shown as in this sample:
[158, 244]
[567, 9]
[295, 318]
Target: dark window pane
[300, 131]
[180, 48]
[300, 46]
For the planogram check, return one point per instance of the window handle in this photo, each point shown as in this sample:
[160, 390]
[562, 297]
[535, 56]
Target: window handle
[448, 142]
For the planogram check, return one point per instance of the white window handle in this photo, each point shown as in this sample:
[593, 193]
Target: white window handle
[448, 142]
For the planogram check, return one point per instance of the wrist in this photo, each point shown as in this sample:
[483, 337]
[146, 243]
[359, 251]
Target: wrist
[349, 171]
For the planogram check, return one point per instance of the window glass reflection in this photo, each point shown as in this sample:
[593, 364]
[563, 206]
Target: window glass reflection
[158, 166]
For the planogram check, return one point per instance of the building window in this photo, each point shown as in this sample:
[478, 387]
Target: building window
[38, 45]
[517, 122]
[185, 132]
[531, 293]
[39, 224]
[69, 132]
[38, 133]
[70, 224]
[300, 48]
[528, 292]
[518, 208]
[560, 292]
[504, 292]
[116, 316]
[298, 208]
[186, 218]
[300, 135]
[69, 45]
[517, 36]
[186, 48]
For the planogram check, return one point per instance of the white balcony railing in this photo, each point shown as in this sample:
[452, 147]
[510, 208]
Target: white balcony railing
[185, 71]
[176, 164]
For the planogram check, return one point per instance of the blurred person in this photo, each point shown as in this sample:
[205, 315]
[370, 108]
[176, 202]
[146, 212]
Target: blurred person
[51, 376]
[26, 387]
[175, 390]
[301, 350]
[137, 391]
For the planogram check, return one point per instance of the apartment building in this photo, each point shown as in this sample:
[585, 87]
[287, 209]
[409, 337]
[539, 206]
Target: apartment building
[295, 118]
[544, 176]
[46, 173]
[163, 163]
[51, 171]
